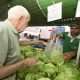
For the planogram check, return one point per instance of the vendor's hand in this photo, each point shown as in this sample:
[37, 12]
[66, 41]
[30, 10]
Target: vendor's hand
[38, 42]
[44, 43]
[58, 36]
[41, 42]
[29, 62]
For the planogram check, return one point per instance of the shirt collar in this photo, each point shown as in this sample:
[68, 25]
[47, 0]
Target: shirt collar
[69, 35]
[12, 27]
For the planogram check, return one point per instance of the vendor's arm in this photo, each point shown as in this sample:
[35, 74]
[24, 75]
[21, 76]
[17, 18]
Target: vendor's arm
[25, 43]
[69, 55]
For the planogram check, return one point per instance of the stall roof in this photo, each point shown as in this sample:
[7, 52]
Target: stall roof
[38, 10]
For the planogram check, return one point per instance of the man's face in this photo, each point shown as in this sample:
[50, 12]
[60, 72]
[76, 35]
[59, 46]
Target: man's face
[74, 31]
[23, 23]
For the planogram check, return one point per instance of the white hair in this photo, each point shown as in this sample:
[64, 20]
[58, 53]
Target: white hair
[17, 12]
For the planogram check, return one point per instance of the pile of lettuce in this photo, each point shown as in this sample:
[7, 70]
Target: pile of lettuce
[50, 66]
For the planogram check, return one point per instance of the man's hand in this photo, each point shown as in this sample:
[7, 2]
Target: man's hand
[29, 62]
[11, 69]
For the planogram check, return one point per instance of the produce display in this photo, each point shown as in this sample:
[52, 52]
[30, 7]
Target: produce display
[50, 66]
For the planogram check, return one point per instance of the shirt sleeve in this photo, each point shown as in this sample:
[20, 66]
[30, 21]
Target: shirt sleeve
[3, 46]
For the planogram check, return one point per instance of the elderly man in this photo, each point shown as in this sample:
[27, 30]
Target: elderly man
[71, 40]
[18, 18]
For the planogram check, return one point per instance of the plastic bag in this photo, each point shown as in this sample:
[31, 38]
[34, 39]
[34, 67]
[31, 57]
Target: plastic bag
[53, 45]
[54, 51]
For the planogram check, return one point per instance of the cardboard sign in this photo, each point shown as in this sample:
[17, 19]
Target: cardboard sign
[54, 12]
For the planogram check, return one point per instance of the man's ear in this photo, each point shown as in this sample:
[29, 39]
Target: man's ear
[20, 18]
